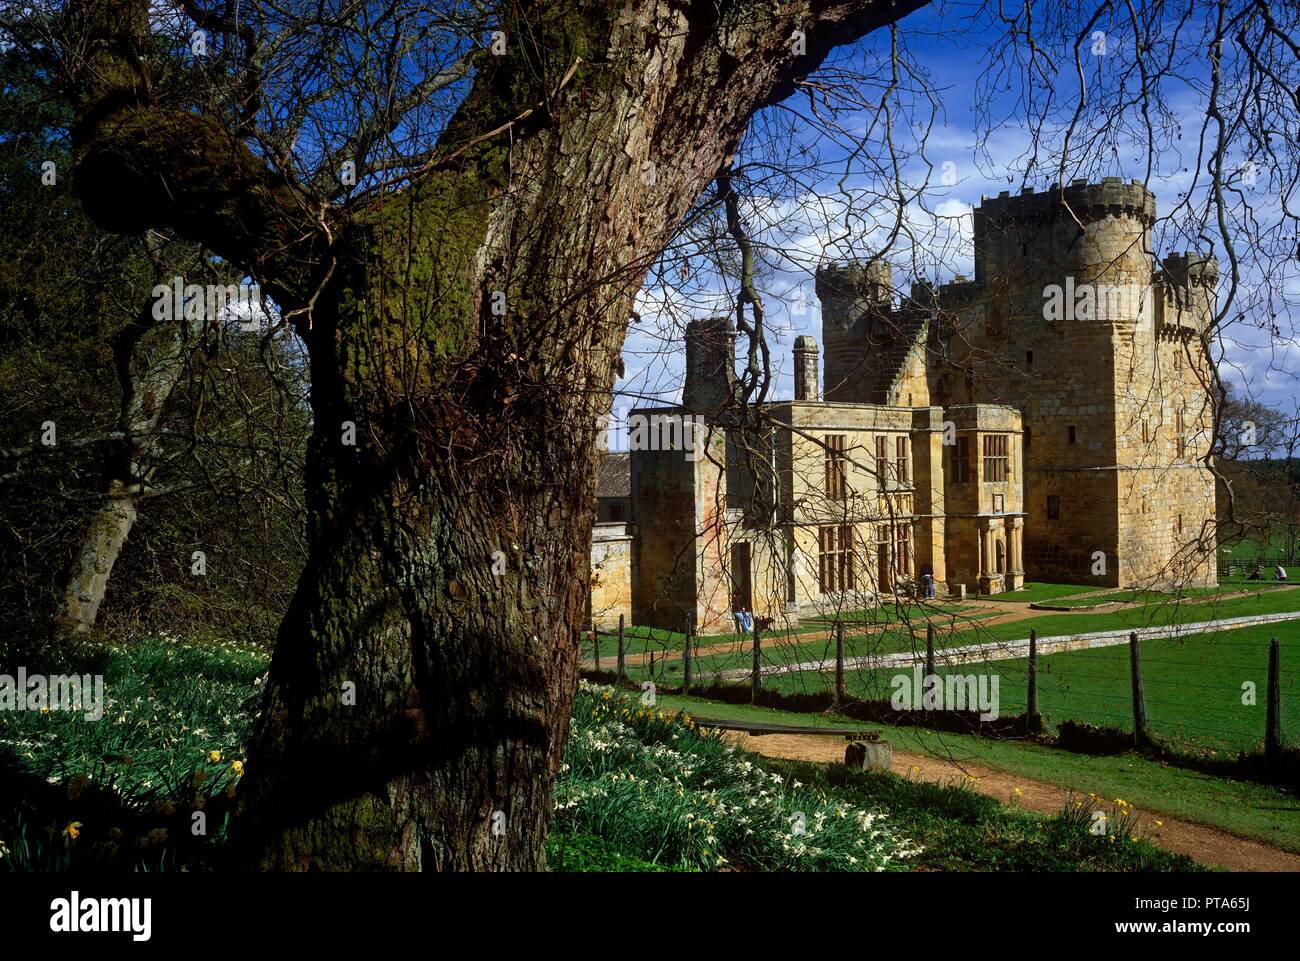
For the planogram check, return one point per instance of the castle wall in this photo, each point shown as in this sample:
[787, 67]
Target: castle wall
[868, 506]
[1059, 366]
[612, 574]
[1166, 422]
[930, 528]
[984, 515]
[681, 545]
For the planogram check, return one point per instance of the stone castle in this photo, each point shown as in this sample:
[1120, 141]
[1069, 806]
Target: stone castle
[1049, 419]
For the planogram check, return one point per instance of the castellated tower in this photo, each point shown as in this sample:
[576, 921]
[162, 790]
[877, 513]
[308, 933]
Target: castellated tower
[856, 301]
[1068, 321]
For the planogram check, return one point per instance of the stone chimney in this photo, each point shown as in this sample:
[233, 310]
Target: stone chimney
[710, 365]
[805, 368]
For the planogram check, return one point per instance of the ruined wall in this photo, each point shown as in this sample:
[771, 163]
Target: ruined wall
[613, 571]
[680, 504]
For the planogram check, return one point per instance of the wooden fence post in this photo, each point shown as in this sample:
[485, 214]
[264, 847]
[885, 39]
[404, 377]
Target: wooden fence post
[595, 643]
[1139, 704]
[756, 683]
[686, 657]
[1273, 715]
[1031, 701]
[839, 664]
[622, 670]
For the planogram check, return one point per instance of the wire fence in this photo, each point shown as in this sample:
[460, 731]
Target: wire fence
[1207, 692]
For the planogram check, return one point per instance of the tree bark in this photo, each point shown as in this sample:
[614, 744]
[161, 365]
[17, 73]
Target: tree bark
[92, 565]
[418, 702]
[146, 387]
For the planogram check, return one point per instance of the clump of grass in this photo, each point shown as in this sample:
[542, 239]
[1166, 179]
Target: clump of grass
[121, 792]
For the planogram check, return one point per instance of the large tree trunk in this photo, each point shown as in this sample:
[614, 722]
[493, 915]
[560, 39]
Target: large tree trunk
[418, 701]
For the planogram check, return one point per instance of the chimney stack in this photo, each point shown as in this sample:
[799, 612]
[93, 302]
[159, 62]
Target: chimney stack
[710, 365]
[805, 368]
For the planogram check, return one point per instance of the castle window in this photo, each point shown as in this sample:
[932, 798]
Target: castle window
[999, 503]
[996, 458]
[903, 548]
[1180, 525]
[1178, 356]
[835, 466]
[961, 472]
[835, 558]
[1146, 431]
[1029, 436]
[882, 461]
[1070, 431]
[616, 513]
[900, 459]
[1180, 432]
[1029, 358]
[1053, 507]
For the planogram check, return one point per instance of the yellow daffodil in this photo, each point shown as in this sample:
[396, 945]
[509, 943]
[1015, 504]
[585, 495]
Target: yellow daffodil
[214, 757]
[73, 830]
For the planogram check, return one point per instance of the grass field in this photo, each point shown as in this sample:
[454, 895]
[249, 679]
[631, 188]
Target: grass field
[1161, 597]
[1192, 687]
[1035, 592]
[956, 629]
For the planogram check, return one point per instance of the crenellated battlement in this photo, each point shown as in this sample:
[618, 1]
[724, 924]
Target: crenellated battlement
[1088, 202]
[1191, 269]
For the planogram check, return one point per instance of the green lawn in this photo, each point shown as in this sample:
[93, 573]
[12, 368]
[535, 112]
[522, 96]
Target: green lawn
[1166, 597]
[1035, 592]
[961, 629]
[1241, 807]
[1192, 686]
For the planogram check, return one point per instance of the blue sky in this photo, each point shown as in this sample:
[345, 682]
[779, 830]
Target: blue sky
[833, 214]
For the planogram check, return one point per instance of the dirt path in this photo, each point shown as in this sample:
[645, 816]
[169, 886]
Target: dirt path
[1205, 844]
